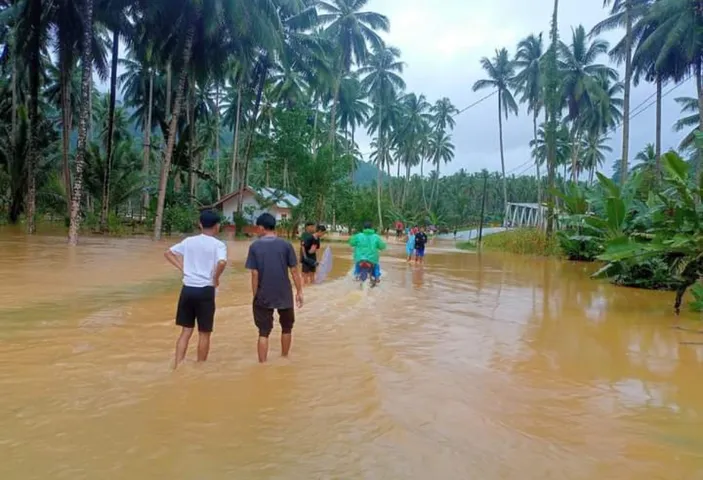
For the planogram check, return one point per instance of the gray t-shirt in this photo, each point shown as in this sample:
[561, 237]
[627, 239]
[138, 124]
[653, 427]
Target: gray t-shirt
[272, 257]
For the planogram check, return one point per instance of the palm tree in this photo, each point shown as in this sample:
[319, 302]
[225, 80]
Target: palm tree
[501, 72]
[86, 80]
[624, 13]
[552, 105]
[382, 79]
[351, 30]
[412, 129]
[593, 152]
[443, 113]
[353, 110]
[529, 83]
[442, 150]
[690, 120]
[581, 82]
[200, 24]
[675, 42]
[645, 64]
[33, 12]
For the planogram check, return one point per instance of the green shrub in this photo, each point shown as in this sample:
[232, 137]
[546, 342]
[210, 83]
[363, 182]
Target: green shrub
[526, 241]
[180, 218]
[579, 248]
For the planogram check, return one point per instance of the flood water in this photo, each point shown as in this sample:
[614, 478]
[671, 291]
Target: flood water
[471, 367]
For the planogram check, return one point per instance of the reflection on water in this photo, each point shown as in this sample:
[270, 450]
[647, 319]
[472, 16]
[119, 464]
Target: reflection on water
[489, 367]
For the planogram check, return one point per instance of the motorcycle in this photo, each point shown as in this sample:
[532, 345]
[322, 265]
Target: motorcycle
[366, 273]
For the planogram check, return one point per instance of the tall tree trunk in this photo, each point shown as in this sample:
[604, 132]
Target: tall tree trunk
[169, 91]
[235, 143]
[217, 139]
[173, 126]
[379, 194]
[86, 90]
[551, 112]
[502, 155]
[252, 131]
[147, 139]
[333, 111]
[353, 160]
[624, 162]
[435, 185]
[574, 156]
[66, 127]
[191, 140]
[422, 183]
[35, 10]
[699, 90]
[658, 132]
[110, 131]
[539, 178]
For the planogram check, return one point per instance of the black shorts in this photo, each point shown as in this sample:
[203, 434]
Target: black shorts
[196, 303]
[263, 319]
[308, 268]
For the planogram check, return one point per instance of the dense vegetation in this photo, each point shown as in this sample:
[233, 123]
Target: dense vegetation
[219, 94]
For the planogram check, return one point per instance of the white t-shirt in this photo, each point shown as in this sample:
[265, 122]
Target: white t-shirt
[200, 257]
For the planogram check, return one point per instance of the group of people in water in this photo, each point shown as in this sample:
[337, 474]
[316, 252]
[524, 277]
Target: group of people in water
[272, 262]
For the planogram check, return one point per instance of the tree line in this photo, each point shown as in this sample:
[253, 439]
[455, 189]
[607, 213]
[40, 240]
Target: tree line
[220, 94]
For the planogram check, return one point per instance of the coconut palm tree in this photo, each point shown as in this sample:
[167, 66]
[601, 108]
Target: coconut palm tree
[501, 71]
[675, 43]
[593, 151]
[552, 104]
[442, 150]
[382, 79]
[529, 84]
[582, 82]
[86, 80]
[352, 30]
[353, 111]
[443, 113]
[690, 120]
[624, 13]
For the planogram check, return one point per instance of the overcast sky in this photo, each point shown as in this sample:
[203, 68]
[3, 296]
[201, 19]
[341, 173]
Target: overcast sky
[442, 43]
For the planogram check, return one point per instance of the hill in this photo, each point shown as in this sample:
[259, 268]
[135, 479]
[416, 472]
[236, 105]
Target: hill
[366, 174]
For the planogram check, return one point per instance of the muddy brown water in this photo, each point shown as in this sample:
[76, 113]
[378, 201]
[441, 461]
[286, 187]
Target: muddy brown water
[485, 367]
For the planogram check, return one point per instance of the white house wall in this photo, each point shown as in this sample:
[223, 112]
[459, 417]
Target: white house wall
[230, 207]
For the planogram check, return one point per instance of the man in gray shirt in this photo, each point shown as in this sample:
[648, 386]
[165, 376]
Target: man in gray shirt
[270, 259]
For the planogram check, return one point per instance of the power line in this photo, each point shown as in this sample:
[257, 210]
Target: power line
[475, 103]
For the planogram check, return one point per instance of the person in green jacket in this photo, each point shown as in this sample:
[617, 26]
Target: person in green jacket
[367, 245]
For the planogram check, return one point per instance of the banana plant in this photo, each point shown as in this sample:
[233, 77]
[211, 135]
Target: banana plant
[675, 234]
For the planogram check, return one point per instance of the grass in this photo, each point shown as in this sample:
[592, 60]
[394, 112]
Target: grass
[521, 241]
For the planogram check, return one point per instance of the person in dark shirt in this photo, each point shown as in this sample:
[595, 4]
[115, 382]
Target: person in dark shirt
[270, 260]
[311, 245]
[307, 233]
[420, 243]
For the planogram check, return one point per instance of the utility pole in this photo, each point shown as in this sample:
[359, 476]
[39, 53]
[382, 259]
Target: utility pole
[483, 209]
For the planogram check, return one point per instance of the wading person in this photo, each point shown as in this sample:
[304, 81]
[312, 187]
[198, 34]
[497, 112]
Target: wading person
[420, 244]
[307, 234]
[367, 246]
[202, 259]
[311, 246]
[272, 261]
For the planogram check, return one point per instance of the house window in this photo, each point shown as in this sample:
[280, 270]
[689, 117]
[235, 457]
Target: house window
[284, 216]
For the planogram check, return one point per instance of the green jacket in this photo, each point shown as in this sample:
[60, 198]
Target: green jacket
[367, 246]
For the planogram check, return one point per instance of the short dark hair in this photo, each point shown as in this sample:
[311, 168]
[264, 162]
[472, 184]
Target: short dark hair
[267, 221]
[368, 225]
[321, 228]
[209, 218]
[309, 224]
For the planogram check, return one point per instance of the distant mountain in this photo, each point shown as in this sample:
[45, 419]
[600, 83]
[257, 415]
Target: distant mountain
[366, 174]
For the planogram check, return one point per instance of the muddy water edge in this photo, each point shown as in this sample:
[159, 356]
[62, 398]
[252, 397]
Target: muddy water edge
[472, 366]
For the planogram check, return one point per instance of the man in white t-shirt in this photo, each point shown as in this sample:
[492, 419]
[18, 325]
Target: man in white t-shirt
[202, 259]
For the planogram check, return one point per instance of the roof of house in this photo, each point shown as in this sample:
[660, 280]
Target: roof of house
[283, 199]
